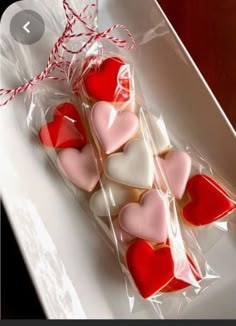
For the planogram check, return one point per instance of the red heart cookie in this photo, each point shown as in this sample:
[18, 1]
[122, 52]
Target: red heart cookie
[151, 269]
[110, 82]
[209, 201]
[176, 284]
[66, 129]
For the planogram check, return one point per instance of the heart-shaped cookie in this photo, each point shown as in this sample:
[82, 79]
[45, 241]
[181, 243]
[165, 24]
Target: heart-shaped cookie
[66, 129]
[160, 140]
[209, 201]
[79, 166]
[110, 82]
[151, 269]
[134, 167]
[111, 198]
[113, 128]
[174, 170]
[147, 220]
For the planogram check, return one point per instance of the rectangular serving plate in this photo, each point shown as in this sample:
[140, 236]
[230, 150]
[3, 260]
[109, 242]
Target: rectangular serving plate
[74, 272]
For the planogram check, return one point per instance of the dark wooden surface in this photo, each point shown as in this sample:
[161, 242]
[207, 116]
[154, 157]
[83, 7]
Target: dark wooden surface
[208, 30]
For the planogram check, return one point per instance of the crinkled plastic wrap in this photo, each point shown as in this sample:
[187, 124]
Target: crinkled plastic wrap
[152, 195]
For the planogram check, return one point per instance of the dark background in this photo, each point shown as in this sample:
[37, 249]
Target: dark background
[18, 297]
[208, 29]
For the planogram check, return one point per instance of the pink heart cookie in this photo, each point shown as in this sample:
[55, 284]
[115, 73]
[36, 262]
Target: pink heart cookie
[176, 168]
[79, 166]
[113, 128]
[146, 220]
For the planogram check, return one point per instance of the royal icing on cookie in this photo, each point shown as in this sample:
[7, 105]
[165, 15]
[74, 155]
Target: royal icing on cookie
[153, 270]
[65, 130]
[133, 167]
[148, 219]
[80, 167]
[208, 201]
[113, 128]
[109, 82]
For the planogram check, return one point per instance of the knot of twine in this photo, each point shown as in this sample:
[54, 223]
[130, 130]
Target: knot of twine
[57, 61]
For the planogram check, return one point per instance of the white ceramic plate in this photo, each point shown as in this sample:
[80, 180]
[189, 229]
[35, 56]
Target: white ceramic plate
[73, 271]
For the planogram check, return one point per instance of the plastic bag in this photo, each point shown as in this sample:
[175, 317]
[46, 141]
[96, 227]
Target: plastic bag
[121, 160]
[215, 213]
[82, 162]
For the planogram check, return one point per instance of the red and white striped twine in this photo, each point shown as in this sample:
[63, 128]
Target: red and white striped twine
[57, 62]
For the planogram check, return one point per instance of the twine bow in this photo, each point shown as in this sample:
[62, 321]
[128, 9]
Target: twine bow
[57, 61]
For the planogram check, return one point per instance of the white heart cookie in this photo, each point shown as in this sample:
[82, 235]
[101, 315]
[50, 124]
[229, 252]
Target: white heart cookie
[112, 198]
[160, 139]
[134, 167]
